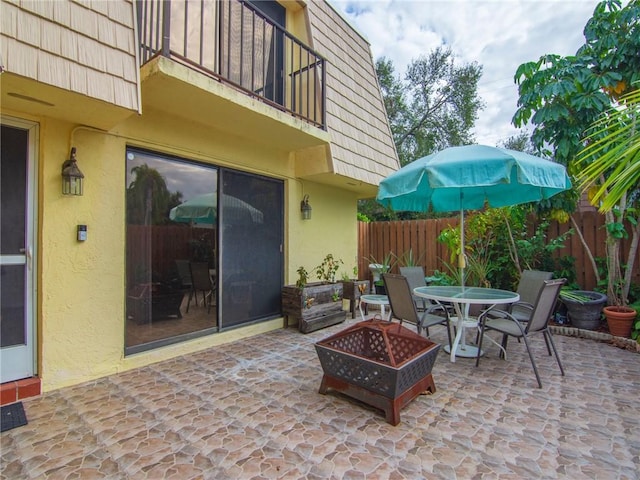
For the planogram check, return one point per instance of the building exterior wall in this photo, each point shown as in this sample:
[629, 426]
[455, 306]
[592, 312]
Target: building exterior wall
[82, 295]
[81, 285]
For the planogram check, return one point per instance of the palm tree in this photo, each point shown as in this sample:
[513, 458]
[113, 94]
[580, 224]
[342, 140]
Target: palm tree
[612, 159]
[609, 169]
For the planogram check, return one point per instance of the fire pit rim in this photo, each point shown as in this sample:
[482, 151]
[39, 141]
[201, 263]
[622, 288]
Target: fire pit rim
[384, 326]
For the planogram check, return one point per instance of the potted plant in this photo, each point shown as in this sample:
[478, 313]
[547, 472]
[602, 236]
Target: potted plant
[584, 308]
[353, 289]
[315, 305]
[379, 268]
[620, 317]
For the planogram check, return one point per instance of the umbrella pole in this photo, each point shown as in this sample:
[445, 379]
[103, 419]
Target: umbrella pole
[462, 258]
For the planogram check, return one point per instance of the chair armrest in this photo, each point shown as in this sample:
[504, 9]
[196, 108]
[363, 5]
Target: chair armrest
[526, 305]
[499, 316]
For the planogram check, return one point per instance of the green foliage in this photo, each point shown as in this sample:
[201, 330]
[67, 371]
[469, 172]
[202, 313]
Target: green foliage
[335, 296]
[433, 106]
[346, 277]
[444, 279]
[363, 218]
[635, 328]
[536, 251]
[566, 268]
[609, 166]
[303, 277]
[442, 105]
[385, 265]
[148, 198]
[563, 97]
[499, 245]
[450, 237]
[408, 259]
[520, 142]
[326, 271]
[574, 296]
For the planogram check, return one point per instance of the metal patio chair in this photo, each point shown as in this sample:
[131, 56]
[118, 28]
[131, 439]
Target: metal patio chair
[415, 278]
[531, 281]
[509, 326]
[404, 308]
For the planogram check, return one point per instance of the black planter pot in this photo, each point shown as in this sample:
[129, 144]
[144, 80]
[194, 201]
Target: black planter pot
[381, 290]
[586, 315]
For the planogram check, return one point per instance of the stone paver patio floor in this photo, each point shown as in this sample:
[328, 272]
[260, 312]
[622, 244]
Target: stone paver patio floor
[251, 409]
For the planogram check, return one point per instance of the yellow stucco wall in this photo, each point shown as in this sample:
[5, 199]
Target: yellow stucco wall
[81, 302]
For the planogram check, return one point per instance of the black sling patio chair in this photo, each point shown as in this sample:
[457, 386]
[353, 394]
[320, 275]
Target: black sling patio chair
[505, 323]
[404, 308]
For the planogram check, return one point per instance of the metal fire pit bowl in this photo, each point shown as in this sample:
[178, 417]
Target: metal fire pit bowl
[380, 363]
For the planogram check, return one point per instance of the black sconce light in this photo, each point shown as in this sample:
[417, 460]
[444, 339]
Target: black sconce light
[305, 208]
[72, 177]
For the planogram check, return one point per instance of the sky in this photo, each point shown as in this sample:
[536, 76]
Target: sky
[497, 34]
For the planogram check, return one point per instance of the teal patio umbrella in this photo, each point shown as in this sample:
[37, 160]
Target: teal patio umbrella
[203, 209]
[470, 177]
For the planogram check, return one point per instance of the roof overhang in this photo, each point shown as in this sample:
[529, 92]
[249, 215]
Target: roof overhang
[25, 95]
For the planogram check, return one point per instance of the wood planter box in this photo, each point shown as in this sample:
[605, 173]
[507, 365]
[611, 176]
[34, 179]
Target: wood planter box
[353, 290]
[316, 306]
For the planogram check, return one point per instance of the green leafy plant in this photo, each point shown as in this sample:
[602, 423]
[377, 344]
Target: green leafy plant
[303, 277]
[345, 276]
[384, 266]
[326, 271]
[408, 259]
[442, 279]
[572, 295]
[335, 296]
[585, 108]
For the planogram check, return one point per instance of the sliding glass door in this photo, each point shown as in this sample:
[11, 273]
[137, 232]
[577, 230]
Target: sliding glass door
[251, 265]
[203, 249]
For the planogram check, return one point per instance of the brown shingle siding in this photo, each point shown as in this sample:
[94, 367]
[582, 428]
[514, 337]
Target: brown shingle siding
[82, 46]
[362, 144]
[54, 70]
[28, 28]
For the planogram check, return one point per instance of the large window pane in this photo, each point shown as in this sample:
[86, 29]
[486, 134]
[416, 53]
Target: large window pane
[164, 304]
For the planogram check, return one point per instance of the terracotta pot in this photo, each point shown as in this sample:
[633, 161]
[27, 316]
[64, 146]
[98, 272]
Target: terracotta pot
[620, 320]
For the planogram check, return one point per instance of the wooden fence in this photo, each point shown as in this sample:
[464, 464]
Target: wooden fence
[376, 239]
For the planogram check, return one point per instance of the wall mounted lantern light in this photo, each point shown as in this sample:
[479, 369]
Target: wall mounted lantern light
[305, 208]
[72, 177]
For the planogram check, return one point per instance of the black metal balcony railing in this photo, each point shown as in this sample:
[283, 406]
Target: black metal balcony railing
[232, 42]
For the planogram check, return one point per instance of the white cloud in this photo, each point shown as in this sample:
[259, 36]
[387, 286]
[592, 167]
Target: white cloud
[499, 35]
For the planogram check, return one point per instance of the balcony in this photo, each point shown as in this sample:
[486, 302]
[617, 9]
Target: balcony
[233, 43]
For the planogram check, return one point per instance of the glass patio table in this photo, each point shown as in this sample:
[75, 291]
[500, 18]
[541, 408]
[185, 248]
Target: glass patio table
[462, 298]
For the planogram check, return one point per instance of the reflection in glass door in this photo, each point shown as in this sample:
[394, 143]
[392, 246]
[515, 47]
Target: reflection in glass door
[204, 249]
[18, 141]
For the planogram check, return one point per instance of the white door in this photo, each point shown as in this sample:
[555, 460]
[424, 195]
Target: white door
[18, 153]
